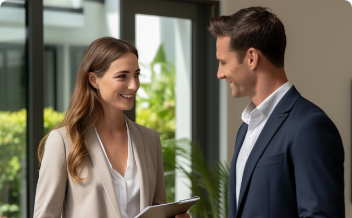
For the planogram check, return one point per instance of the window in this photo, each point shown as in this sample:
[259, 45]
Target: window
[13, 119]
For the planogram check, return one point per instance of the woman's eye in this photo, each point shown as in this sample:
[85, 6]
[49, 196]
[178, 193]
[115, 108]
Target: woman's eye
[122, 76]
[137, 74]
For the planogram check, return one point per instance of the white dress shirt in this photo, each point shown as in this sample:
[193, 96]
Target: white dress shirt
[127, 189]
[256, 118]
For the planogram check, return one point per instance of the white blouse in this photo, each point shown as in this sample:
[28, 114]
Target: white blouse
[127, 189]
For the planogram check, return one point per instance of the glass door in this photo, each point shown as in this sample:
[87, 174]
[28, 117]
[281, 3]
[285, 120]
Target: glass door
[179, 88]
[164, 101]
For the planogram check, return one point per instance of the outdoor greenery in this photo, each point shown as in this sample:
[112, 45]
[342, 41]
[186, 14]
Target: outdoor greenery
[13, 156]
[156, 111]
[210, 185]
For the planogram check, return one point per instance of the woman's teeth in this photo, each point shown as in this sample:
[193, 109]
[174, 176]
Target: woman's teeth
[127, 96]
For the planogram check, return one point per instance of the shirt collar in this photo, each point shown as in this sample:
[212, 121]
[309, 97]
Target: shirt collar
[268, 105]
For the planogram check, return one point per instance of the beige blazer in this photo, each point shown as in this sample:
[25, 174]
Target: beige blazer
[58, 195]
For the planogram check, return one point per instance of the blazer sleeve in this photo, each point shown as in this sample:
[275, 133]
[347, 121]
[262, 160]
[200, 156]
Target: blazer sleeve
[51, 187]
[160, 193]
[318, 158]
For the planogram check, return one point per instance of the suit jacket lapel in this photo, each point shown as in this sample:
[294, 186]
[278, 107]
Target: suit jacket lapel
[239, 141]
[139, 153]
[276, 119]
[98, 160]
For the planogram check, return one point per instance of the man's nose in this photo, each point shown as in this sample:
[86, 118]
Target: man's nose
[220, 75]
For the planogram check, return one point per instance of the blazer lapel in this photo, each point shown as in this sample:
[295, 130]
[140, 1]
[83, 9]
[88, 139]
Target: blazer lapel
[239, 141]
[98, 160]
[276, 119]
[139, 153]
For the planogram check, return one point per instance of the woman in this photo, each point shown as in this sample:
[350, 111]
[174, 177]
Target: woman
[98, 163]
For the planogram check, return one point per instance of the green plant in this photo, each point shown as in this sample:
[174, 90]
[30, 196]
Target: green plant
[51, 119]
[210, 184]
[157, 111]
[13, 155]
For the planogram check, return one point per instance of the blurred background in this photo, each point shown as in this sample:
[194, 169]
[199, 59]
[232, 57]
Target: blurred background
[42, 44]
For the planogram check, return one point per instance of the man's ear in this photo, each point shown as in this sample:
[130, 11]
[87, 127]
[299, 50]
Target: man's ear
[253, 58]
[92, 77]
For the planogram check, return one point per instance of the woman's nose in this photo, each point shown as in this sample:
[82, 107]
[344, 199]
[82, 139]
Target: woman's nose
[134, 84]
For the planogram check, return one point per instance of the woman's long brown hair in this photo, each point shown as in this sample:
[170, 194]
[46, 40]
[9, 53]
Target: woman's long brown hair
[84, 109]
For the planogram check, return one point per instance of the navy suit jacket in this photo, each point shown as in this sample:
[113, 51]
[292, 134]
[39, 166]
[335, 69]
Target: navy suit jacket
[295, 168]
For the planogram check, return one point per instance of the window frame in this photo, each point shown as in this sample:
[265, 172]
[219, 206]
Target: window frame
[35, 99]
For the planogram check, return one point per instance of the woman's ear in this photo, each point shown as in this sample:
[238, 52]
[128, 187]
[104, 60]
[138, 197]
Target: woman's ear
[92, 77]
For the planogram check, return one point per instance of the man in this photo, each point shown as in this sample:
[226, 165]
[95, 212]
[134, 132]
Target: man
[289, 157]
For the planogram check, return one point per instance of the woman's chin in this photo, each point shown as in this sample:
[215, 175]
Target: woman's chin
[127, 107]
[122, 107]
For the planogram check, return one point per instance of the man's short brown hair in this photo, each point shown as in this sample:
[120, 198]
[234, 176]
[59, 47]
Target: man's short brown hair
[254, 27]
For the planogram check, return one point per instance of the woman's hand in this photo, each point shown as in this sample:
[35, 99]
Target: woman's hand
[184, 215]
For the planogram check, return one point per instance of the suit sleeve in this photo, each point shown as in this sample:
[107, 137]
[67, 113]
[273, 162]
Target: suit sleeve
[160, 193]
[318, 157]
[52, 180]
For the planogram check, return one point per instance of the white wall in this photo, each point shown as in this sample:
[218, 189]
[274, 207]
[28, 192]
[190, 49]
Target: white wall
[318, 62]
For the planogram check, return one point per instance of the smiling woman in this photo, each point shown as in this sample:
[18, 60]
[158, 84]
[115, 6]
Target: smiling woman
[97, 162]
[117, 87]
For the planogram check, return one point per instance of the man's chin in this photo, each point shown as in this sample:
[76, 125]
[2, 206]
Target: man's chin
[236, 95]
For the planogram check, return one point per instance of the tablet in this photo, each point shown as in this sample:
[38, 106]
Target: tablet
[169, 209]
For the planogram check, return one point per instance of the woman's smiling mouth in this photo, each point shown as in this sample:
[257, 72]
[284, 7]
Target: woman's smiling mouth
[127, 97]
